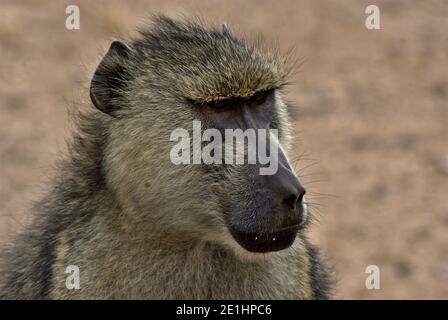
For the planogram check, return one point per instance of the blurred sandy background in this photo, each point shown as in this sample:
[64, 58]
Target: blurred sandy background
[373, 113]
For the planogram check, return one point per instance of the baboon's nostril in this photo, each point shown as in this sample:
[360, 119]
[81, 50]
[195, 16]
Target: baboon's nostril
[290, 202]
[293, 201]
[300, 197]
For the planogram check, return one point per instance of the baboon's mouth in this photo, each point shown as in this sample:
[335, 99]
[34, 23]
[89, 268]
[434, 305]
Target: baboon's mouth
[266, 241]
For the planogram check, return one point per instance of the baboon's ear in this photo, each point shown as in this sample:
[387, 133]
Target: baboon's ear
[110, 77]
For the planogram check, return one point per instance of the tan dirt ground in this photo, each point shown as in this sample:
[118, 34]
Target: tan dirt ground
[373, 113]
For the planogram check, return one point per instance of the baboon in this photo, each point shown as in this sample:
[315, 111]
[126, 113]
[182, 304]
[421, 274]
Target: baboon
[140, 227]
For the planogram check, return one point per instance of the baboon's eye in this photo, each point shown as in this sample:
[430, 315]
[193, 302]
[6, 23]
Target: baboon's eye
[219, 104]
[260, 97]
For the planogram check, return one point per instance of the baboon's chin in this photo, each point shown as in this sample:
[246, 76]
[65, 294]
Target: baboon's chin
[264, 242]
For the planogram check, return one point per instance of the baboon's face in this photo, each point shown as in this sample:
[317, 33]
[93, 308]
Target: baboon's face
[262, 212]
[149, 97]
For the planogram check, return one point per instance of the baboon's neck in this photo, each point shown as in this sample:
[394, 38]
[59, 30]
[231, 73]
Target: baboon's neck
[82, 173]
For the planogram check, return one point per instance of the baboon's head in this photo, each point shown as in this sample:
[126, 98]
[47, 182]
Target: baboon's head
[152, 90]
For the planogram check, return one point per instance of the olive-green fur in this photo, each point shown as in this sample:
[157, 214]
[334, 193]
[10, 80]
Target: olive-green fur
[136, 225]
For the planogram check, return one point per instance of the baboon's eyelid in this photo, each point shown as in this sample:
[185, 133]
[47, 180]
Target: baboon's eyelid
[258, 97]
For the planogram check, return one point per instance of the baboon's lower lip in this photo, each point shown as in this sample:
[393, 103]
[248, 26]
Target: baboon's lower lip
[262, 242]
